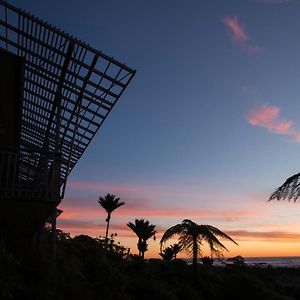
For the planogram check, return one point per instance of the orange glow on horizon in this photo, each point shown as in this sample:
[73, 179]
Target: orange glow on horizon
[260, 228]
[269, 246]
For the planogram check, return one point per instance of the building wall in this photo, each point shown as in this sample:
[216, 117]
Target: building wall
[11, 89]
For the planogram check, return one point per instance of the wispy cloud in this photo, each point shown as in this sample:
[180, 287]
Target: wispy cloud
[283, 236]
[125, 189]
[95, 228]
[249, 91]
[240, 36]
[91, 219]
[93, 212]
[268, 116]
[77, 227]
[82, 214]
[236, 28]
[100, 186]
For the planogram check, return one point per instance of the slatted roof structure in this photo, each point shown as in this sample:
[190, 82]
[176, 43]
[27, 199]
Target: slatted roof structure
[69, 87]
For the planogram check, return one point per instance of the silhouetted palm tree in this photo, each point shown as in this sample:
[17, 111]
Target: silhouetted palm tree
[176, 249]
[144, 231]
[109, 203]
[290, 189]
[192, 236]
[167, 254]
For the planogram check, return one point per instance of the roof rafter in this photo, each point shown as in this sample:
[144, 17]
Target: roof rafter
[62, 76]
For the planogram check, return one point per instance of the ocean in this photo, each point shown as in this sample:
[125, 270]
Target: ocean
[264, 262]
[288, 261]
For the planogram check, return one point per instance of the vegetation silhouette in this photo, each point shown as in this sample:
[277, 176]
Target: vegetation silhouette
[87, 270]
[167, 254]
[207, 261]
[237, 261]
[109, 203]
[170, 252]
[192, 236]
[176, 249]
[144, 231]
[290, 189]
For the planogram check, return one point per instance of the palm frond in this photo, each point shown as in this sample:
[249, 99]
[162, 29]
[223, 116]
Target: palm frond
[192, 235]
[132, 227]
[214, 243]
[110, 203]
[188, 248]
[186, 242]
[142, 228]
[167, 254]
[218, 233]
[172, 231]
[289, 190]
[176, 248]
[117, 203]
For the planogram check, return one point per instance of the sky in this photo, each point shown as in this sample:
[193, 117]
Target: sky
[206, 130]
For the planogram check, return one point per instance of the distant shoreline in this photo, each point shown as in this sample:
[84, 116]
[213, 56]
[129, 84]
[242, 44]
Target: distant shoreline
[273, 261]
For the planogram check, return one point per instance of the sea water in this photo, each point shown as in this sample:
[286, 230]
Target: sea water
[283, 262]
[263, 262]
[290, 262]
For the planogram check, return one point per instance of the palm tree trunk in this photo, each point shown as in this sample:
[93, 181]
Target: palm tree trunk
[107, 226]
[195, 257]
[139, 247]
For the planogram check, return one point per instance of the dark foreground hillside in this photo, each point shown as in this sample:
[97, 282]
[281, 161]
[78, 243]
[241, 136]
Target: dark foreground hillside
[85, 270]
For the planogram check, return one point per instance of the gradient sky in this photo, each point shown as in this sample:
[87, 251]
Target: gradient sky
[208, 127]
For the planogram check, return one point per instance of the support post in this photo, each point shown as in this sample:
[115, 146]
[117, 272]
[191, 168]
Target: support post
[53, 238]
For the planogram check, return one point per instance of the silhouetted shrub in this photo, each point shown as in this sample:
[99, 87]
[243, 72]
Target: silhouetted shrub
[247, 287]
[11, 283]
[237, 261]
[207, 261]
[141, 288]
[88, 270]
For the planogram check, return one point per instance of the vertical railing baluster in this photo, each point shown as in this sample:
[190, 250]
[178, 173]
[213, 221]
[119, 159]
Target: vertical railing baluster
[1, 172]
[21, 174]
[15, 159]
[54, 176]
[7, 173]
[20, 178]
[46, 175]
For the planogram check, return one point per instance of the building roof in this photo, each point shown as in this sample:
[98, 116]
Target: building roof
[69, 87]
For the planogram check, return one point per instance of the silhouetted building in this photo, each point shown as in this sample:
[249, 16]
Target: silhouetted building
[55, 93]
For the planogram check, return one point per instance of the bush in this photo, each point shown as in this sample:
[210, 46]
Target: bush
[207, 261]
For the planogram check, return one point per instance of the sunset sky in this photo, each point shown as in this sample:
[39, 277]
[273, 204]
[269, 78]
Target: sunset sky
[207, 129]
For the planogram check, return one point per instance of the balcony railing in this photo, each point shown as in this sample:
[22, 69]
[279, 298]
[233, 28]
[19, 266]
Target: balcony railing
[29, 175]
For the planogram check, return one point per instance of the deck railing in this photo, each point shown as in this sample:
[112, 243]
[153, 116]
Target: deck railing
[29, 175]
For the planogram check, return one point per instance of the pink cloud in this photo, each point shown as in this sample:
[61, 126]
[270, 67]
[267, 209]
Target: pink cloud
[81, 217]
[76, 227]
[138, 192]
[265, 235]
[236, 28]
[240, 36]
[252, 49]
[141, 211]
[155, 200]
[268, 116]
[99, 186]
[249, 91]
[91, 220]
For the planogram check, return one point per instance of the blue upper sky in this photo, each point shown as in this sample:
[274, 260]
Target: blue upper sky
[214, 103]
